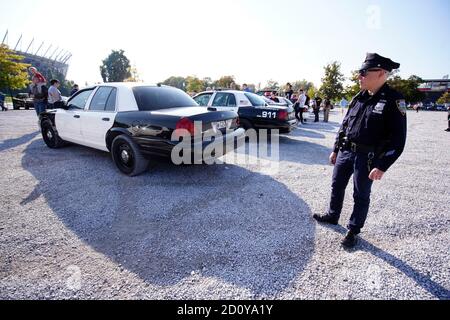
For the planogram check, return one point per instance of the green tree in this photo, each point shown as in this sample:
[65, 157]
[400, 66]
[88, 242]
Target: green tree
[312, 91]
[177, 82]
[273, 85]
[302, 84]
[207, 83]
[408, 87]
[353, 89]
[194, 84]
[332, 83]
[116, 67]
[13, 73]
[225, 82]
[445, 98]
[134, 75]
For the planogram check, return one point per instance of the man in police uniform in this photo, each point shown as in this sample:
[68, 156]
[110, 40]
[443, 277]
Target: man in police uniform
[370, 140]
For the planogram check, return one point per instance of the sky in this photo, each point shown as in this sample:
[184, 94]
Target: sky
[255, 41]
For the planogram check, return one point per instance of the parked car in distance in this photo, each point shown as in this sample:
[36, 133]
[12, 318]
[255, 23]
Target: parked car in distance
[254, 111]
[22, 100]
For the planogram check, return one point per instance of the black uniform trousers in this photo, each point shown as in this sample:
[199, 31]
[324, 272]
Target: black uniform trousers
[316, 115]
[348, 163]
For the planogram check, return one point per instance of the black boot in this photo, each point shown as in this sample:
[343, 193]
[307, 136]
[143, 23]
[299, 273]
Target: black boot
[350, 240]
[326, 218]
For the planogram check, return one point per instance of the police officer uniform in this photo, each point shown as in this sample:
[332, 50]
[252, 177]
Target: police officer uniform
[372, 135]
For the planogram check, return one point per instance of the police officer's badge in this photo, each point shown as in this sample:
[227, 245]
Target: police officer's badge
[401, 105]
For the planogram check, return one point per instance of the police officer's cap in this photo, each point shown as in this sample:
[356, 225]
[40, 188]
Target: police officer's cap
[374, 60]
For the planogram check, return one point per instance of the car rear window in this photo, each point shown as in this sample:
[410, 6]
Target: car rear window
[256, 100]
[156, 98]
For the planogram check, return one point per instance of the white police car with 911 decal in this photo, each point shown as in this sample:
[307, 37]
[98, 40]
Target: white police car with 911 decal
[253, 111]
[135, 122]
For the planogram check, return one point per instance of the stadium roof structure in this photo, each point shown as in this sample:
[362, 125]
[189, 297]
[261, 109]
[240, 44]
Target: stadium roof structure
[45, 58]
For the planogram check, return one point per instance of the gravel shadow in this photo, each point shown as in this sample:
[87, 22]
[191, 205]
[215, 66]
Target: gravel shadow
[421, 279]
[223, 222]
[12, 143]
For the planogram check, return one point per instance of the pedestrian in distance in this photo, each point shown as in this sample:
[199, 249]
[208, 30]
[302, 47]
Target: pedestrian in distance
[326, 109]
[316, 107]
[2, 101]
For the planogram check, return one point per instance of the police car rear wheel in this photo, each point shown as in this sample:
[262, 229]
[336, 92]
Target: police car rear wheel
[127, 156]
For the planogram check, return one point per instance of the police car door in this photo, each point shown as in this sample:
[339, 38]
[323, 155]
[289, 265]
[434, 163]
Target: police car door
[68, 122]
[225, 101]
[99, 117]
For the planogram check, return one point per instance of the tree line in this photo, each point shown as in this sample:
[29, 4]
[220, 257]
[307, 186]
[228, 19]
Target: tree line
[116, 67]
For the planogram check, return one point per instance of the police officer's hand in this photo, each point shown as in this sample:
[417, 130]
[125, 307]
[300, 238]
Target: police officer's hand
[333, 157]
[376, 174]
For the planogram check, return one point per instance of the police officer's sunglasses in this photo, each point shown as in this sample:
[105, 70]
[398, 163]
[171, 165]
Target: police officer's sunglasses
[364, 72]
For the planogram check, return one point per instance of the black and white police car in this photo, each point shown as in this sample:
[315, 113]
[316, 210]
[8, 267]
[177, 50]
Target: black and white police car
[135, 121]
[254, 112]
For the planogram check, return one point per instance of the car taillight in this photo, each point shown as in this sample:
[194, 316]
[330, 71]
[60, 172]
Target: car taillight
[185, 124]
[283, 115]
[238, 123]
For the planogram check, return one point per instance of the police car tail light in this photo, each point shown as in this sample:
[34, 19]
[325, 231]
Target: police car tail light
[283, 115]
[185, 127]
[238, 123]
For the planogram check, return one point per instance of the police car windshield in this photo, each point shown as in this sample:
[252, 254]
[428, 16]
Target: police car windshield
[256, 100]
[156, 98]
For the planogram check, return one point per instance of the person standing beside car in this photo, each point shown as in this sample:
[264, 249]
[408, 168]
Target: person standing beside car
[54, 95]
[326, 109]
[300, 105]
[316, 107]
[39, 93]
[75, 89]
[288, 93]
[274, 98]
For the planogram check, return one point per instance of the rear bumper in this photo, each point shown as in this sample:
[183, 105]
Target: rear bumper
[286, 125]
[220, 145]
[216, 147]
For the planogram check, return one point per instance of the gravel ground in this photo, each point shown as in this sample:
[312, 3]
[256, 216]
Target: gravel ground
[71, 226]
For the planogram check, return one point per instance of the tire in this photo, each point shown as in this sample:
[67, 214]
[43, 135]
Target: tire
[50, 136]
[127, 156]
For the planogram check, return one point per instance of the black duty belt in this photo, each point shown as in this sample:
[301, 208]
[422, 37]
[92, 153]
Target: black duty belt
[357, 147]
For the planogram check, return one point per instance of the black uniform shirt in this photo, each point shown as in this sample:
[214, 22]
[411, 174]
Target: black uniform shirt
[377, 121]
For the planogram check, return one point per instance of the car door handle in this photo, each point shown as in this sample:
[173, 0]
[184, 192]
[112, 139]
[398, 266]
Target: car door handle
[77, 116]
[105, 119]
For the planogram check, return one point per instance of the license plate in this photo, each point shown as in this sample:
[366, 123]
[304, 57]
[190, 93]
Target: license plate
[220, 125]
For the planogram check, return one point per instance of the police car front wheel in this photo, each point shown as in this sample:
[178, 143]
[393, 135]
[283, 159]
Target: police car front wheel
[50, 136]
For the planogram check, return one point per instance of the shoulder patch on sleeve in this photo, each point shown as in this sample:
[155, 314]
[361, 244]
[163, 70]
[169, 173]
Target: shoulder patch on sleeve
[401, 105]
